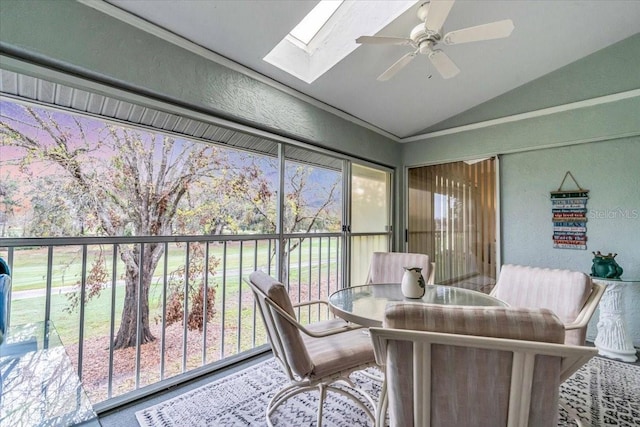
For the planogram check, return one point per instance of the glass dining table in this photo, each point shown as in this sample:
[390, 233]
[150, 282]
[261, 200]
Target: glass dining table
[365, 305]
[39, 385]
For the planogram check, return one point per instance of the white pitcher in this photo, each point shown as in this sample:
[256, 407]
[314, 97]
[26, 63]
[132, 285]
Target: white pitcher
[413, 285]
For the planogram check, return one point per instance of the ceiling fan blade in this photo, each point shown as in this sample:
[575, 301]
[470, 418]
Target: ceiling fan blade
[443, 64]
[437, 14]
[383, 40]
[493, 30]
[399, 64]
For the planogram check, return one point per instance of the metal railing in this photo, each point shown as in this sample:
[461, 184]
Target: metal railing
[81, 285]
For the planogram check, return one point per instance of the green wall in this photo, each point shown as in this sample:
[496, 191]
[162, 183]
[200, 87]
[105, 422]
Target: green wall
[608, 71]
[610, 170]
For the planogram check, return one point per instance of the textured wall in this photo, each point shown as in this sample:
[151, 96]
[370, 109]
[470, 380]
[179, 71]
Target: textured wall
[607, 71]
[611, 172]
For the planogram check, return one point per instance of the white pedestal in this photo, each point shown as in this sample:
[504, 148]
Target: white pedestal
[613, 339]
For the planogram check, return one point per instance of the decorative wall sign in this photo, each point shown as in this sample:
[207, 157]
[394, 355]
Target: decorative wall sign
[569, 216]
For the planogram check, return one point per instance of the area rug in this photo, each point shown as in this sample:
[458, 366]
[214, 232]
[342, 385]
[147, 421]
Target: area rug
[603, 392]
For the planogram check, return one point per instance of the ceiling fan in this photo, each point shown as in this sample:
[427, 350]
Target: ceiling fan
[426, 35]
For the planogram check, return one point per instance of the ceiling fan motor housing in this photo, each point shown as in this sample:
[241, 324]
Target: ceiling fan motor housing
[424, 38]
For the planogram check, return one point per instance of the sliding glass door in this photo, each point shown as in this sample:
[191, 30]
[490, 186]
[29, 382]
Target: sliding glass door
[452, 218]
[370, 210]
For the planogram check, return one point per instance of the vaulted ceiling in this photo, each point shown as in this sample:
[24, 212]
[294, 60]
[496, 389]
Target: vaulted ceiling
[547, 36]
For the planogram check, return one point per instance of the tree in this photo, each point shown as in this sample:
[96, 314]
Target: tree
[308, 206]
[312, 202]
[56, 211]
[116, 182]
[8, 202]
[201, 296]
[224, 204]
[135, 192]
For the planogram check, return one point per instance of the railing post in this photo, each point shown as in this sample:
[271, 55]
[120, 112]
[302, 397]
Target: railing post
[139, 314]
[163, 334]
[47, 301]
[224, 298]
[83, 293]
[185, 311]
[112, 325]
[205, 301]
[240, 298]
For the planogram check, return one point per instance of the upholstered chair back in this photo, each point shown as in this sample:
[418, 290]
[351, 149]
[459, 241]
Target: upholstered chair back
[285, 338]
[562, 291]
[388, 267]
[470, 386]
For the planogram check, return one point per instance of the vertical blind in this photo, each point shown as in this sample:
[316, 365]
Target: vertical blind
[452, 218]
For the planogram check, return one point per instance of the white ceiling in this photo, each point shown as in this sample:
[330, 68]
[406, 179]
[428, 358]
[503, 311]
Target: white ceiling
[548, 35]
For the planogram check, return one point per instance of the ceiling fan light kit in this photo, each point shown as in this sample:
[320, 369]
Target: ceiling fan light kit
[426, 35]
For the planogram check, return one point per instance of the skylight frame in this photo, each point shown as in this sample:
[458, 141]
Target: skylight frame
[336, 38]
[310, 26]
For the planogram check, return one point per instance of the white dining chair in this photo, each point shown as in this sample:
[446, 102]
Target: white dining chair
[388, 267]
[314, 356]
[473, 366]
[571, 295]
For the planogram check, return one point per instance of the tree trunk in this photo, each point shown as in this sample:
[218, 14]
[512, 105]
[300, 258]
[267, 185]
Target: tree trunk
[128, 331]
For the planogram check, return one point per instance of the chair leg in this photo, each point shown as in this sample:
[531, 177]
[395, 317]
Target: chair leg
[282, 396]
[294, 389]
[572, 412]
[323, 393]
[357, 401]
[381, 409]
[375, 377]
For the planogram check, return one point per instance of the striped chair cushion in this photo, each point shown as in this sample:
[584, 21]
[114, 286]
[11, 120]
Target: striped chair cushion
[307, 356]
[388, 267]
[499, 322]
[293, 345]
[470, 386]
[335, 353]
[562, 291]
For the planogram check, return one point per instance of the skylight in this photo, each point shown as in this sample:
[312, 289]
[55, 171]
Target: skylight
[311, 24]
[328, 33]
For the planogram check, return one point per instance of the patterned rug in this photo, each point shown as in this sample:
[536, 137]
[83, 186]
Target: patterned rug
[603, 392]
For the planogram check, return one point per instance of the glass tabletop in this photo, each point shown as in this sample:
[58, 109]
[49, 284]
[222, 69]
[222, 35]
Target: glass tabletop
[365, 305]
[623, 280]
[38, 384]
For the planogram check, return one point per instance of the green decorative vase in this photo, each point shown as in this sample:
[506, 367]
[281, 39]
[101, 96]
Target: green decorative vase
[605, 266]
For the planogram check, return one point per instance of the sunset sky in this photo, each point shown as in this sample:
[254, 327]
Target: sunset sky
[100, 154]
